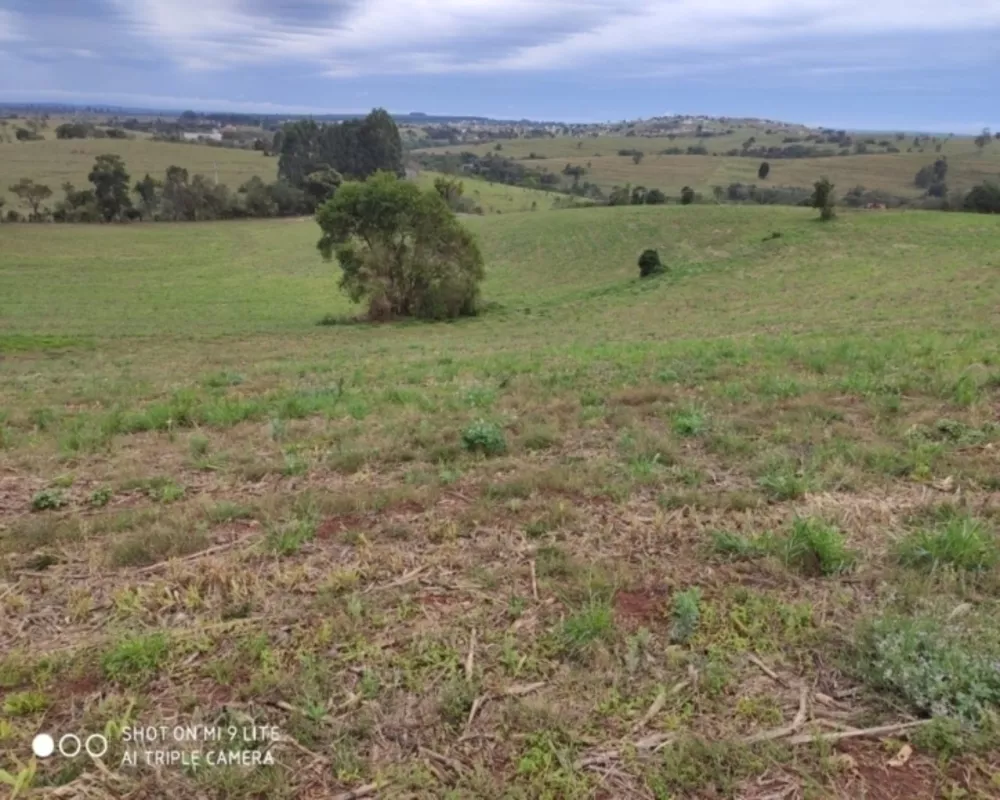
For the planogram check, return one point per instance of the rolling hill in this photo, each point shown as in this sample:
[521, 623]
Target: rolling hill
[717, 530]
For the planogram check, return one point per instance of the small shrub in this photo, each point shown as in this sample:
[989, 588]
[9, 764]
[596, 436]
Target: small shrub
[961, 542]
[100, 497]
[822, 198]
[815, 548]
[650, 264]
[936, 667]
[484, 437]
[686, 614]
[47, 499]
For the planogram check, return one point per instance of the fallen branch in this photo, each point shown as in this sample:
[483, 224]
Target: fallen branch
[785, 730]
[477, 704]
[471, 658]
[402, 580]
[774, 676]
[534, 581]
[654, 709]
[193, 557]
[648, 744]
[881, 730]
[523, 689]
[356, 794]
[456, 766]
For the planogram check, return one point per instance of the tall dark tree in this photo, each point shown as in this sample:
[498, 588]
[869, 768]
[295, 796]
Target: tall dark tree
[982, 139]
[177, 203]
[148, 190]
[763, 170]
[822, 199]
[111, 186]
[654, 197]
[984, 198]
[687, 196]
[355, 148]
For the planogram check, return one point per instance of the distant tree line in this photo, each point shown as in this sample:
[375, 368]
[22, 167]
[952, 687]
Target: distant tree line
[309, 174]
[87, 130]
[491, 167]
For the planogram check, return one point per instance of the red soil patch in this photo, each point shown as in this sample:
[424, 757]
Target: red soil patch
[334, 526]
[436, 600]
[870, 777]
[79, 686]
[640, 605]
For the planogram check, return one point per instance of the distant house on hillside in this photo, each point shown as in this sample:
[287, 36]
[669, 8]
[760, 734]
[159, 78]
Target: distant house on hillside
[198, 136]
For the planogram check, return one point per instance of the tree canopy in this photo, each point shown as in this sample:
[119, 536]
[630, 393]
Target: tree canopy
[111, 186]
[400, 249]
[353, 149]
[34, 194]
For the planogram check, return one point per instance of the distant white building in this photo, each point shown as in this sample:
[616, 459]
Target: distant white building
[197, 136]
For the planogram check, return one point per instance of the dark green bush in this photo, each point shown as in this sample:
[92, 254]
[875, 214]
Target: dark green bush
[650, 264]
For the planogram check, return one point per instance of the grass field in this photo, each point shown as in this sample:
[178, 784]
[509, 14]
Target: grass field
[890, 172]
[55, 161]
[730, 532]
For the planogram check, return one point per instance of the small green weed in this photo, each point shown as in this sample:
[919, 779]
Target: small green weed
[287, 538]
[581, 631]
[24, 704]
[484, 437]
[226, 511]
[100, 497]
[686, 614]
[962, 542]
[815, 548]
[48, 500]
[135, 660]
[782, 482]
[736, 546]
[457, 697]
[198, 444]
[691, 421]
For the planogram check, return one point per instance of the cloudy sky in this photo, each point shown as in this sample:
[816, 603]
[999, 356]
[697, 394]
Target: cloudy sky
[915, 64]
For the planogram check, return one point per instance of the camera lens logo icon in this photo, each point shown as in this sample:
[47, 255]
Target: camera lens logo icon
[70, 745]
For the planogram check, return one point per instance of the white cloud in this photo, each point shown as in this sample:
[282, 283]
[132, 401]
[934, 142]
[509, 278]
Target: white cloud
[346, 38]
[10, 27]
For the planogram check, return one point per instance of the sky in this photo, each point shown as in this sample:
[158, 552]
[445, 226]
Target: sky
[916, 65]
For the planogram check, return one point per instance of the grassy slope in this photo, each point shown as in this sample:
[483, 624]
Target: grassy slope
[838, 373]
[55, 161]
[497, 197]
